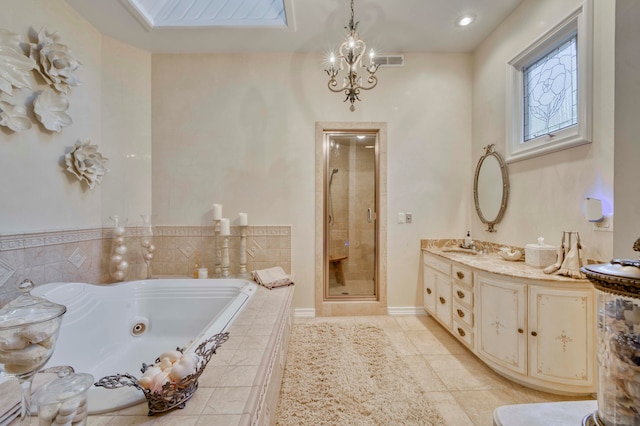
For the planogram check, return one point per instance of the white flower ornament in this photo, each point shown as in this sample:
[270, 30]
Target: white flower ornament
[86, 163]
[15, 67]
[55, 62]
[50, 108]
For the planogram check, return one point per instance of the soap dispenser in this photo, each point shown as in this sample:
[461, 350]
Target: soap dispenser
[467, 239]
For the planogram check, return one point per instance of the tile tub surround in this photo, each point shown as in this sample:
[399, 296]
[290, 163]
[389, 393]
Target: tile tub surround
[241, 384]
[82, 255]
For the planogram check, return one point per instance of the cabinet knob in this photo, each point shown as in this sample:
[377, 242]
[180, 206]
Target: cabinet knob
[461, 332]
[534, 334]
[442, 300]
[428, 291]
[460, 275]
[460, 313]
[460, 294]
[520, 331]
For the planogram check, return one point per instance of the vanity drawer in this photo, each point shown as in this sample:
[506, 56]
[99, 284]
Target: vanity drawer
[463, 295]
[437, 264]
[462, 275]
[463, 314]
[462, 332]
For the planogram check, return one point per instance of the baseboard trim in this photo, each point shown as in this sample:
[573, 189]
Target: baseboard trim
[404, 311]
[304, 313]
[392, 311]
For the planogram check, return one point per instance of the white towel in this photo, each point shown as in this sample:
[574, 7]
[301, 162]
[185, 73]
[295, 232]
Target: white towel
[272, 277]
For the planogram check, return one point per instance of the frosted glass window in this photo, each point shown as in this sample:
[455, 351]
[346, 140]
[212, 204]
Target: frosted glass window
[550, 91]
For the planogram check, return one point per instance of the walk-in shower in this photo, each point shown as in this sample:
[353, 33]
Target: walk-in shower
[350, 215]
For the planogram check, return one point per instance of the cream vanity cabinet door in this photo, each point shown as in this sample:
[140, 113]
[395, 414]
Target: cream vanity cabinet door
[429, 283]
[443, 303]
[437, 288]
[501, 322]
[561, 335]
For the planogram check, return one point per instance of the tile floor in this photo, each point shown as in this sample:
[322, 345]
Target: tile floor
[463, 389]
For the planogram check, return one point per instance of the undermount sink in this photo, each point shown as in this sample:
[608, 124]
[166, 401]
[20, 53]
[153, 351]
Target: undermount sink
[459, 250]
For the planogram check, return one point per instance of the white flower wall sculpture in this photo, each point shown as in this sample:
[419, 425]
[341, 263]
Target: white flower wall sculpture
[50, 108]
[14, 117]
[15, 67]
[55, 62]
[86, 163]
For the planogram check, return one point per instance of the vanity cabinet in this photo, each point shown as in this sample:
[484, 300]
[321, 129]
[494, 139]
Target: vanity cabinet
[502, 320]
[437, 289]
[537, 331]
[560, 335]
[542, 333]
[448, 296]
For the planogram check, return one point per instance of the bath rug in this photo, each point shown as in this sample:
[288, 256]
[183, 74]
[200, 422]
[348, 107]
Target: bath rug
[349, 374]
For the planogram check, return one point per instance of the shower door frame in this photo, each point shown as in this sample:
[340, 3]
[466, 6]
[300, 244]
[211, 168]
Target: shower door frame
[376, 304]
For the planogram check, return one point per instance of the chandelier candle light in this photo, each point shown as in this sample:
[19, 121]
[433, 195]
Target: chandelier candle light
[350, 57]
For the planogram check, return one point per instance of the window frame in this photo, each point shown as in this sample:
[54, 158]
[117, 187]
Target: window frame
[579, 22]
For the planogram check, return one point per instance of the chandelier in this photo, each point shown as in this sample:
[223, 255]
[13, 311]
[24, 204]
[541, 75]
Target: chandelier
[350, 59]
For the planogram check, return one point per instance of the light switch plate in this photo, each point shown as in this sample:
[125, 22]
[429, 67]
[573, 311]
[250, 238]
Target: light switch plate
[408, 217]
[401, 218]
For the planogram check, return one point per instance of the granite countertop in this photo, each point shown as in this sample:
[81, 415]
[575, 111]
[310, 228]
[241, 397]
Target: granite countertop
[493, 263]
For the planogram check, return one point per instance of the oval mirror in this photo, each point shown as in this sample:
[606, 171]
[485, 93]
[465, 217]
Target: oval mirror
[491, 188]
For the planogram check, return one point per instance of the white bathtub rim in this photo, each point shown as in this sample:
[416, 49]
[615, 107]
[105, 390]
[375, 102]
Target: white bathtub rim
[221, 323]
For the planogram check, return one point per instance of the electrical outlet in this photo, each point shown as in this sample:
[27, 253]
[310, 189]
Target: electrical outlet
[401, 218]
[408, 217]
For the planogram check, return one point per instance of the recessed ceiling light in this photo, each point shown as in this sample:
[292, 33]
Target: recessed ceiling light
[361, 136]
[465, 20]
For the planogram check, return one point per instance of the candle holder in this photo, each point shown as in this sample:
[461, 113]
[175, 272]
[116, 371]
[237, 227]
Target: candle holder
[216, 230]
[225, 256]
[146, 243]
[243, 253]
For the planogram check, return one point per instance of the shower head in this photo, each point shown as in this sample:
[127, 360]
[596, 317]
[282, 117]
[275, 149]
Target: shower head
[333, 172]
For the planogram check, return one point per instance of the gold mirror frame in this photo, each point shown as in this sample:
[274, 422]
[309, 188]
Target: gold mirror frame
[490, 152]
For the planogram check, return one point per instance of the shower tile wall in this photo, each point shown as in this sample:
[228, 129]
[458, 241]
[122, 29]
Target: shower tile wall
[83, 255]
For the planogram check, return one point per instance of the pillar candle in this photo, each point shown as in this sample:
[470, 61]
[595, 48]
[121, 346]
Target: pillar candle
[244, 219]
[217, 211]
[224, 226]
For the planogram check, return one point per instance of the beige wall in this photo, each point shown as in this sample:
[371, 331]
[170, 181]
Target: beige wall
[547, 192]
[238, 129]
[111, 107]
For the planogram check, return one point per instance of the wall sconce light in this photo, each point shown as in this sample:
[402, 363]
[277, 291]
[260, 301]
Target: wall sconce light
[593, 209]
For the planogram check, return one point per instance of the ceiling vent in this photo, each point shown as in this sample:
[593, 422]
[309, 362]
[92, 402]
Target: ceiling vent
[389, 60]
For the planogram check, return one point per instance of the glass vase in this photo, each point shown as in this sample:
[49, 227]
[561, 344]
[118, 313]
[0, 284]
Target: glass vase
[118, 261]
[147, 248]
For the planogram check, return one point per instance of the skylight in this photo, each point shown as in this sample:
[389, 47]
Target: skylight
[208, 13]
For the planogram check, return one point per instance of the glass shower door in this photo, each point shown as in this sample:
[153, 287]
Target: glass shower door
[350, 215]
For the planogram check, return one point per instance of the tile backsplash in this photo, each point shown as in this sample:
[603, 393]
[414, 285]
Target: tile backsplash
[82, 255]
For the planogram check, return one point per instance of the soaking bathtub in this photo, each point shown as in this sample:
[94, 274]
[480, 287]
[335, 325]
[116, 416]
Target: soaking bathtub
[110, 329]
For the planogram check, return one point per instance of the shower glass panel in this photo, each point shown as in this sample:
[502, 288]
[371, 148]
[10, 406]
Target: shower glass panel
[350, 215]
